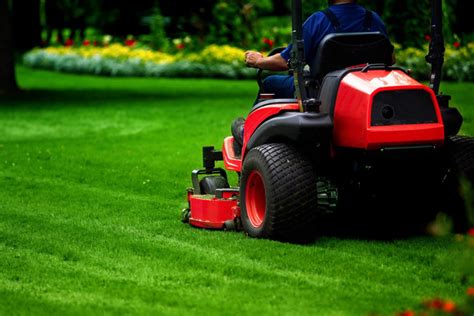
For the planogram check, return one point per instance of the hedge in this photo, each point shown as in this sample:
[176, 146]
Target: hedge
[117, 60]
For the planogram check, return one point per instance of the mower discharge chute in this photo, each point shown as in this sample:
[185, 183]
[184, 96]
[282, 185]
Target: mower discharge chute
[360, 134]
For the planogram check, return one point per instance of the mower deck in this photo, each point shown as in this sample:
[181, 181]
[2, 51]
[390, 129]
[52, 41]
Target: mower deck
[213, 211]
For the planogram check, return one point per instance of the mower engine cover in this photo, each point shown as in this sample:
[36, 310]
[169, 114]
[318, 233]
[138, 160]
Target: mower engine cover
[374, 109]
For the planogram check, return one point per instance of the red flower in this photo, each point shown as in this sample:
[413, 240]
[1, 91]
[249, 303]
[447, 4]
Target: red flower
[95, 43]
[449, 306]
[470, 232]
[268, 41]
[456, 44]
[69, 42]
[407, 313]
[435, 304]
[130, 42]
[86, 42]
[427, 37]
[470, 291]
[180, 46]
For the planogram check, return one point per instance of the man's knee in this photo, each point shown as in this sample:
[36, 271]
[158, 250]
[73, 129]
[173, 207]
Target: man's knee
[281, 86]
[271, 84]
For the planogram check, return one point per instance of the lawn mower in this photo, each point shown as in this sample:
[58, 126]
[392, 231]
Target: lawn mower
[360, 134]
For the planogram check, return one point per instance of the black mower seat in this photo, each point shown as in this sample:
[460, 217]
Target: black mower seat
[341, 50]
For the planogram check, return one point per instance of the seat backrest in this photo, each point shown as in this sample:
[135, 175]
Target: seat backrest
[341, 50]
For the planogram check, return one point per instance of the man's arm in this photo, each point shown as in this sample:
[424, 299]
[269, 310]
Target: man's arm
[273, 63]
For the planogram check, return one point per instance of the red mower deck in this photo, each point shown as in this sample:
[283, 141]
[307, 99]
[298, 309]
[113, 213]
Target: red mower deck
[213, 211]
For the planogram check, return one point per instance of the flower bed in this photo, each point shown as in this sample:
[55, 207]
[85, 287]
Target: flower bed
[458, 66]
[213, 61]
[119, 60]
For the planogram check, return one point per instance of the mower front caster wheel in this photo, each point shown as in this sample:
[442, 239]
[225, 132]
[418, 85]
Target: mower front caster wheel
[185, 215]
[210, 184]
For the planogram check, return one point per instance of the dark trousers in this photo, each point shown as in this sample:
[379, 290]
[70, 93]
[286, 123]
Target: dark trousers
[281, 85]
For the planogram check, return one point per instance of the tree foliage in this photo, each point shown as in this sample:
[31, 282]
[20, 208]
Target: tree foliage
[8, 82]
[235, 21]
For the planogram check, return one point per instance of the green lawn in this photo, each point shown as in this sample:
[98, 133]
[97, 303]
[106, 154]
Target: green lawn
[92, 180]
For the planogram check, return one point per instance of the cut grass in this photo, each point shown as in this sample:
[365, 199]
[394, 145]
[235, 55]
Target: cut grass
[93, 176]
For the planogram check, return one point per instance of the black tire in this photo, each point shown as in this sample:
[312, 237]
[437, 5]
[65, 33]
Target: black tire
[210, 184]
[461, 150]
[230, 225]
[185, 215]
[286, 179]
[461, 174]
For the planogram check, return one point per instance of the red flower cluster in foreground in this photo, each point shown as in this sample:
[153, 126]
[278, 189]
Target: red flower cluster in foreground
[457, 44]
[446, 306]
[470, 291]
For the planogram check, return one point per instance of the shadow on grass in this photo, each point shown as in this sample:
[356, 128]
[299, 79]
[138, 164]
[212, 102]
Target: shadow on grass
[103, 96]
[384, 224]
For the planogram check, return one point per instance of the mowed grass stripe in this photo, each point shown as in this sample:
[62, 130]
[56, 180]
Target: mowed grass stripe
[204, 252]
[93, 174]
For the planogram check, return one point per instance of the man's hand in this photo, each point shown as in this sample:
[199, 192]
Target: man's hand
[273, 63]
[252, 58]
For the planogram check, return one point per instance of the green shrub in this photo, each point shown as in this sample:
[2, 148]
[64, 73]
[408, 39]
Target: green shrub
[235, 22]
[157, 35]
[458, 66]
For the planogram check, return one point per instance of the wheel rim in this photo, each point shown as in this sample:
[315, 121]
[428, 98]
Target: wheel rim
[255, 199]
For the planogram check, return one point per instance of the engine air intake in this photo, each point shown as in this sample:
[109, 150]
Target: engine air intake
[403, 107]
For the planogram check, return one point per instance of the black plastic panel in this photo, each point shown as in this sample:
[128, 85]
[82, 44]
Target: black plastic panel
[403, 107]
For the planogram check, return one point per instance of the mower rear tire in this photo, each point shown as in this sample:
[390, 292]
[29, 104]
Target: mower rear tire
[278, 194]
[461, 150]
[460, 177]
[210, 184]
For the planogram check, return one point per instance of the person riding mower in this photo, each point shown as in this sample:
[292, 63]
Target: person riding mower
[361, 136]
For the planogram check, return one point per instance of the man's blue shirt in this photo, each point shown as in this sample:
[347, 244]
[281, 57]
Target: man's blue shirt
[351, 17]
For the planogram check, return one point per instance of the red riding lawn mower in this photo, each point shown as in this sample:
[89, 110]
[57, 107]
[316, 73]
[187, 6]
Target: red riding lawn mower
[362, 140]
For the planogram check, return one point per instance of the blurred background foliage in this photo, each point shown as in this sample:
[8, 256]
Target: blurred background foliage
[184, 29]
[241, 23]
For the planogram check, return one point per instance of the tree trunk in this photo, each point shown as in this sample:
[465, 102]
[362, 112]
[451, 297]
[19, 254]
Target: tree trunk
[26, 24]
[7, 60]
